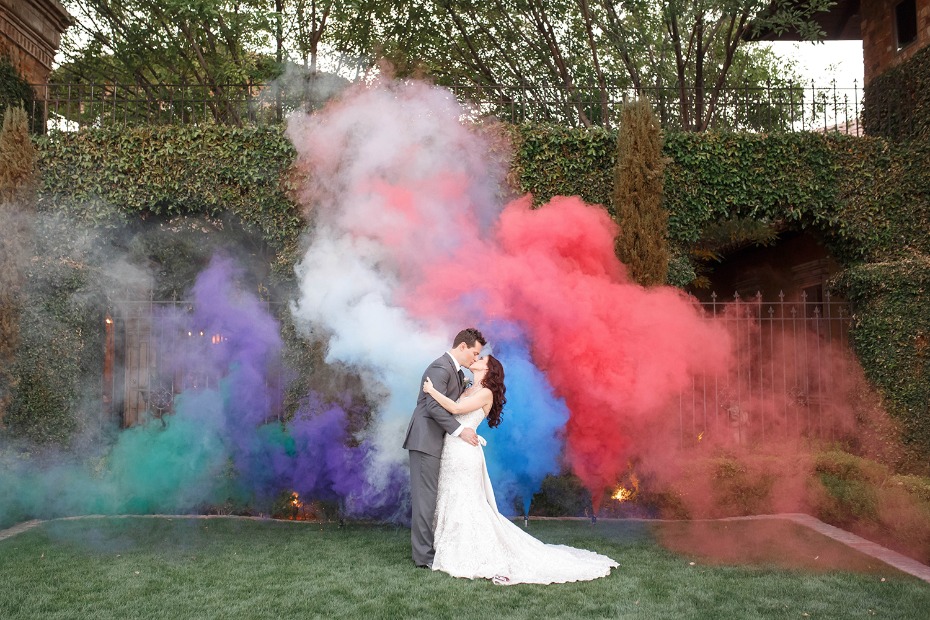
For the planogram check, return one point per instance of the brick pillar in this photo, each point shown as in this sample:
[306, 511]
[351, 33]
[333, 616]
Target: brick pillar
[30, 33]
[879, 36]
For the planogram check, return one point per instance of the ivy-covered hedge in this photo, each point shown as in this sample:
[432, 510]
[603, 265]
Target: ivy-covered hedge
[109, 177]
[552, 160]
[864, 195]
[867, 197]
[896, 104]
[786, 177]
[60, 355]
[891, 335]
[885, 199]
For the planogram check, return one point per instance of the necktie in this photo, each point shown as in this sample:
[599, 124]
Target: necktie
[461, 378]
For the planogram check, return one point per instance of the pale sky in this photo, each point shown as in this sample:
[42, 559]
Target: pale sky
[824, 62]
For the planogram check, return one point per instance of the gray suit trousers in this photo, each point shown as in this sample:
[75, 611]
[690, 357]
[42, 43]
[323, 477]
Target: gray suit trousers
[424, 482]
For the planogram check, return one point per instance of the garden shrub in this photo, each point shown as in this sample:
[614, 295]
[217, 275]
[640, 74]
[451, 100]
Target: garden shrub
[15, 91]
[739, 489]
[862, 495]
[559, 496]
[845, 466]
[847, 501]
[917, 486]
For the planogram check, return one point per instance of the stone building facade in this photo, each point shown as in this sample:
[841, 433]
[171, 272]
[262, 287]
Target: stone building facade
[30, 33]
[892, 32]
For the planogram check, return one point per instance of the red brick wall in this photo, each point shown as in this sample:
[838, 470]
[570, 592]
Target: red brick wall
[879, 39]
[30, 32]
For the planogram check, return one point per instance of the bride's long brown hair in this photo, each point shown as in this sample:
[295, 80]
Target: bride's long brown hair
[494, 381]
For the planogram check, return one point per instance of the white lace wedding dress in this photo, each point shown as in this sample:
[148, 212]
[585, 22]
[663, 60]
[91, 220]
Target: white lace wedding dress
[472, 539]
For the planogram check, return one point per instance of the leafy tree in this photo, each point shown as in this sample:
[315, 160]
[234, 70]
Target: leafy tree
[569, 59]
[693, 45]
[564, 60]
[208, 61]
[537, 46]
[148, 48]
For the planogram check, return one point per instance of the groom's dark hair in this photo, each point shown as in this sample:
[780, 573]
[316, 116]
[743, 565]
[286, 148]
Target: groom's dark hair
[469, 336]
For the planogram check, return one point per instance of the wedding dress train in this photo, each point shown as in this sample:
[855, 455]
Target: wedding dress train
[473, 540]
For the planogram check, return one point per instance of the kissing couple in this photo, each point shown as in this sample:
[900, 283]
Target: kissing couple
[455, 525]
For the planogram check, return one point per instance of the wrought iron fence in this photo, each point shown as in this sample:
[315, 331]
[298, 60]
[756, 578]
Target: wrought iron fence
[153, 350]
[794, 377]
[769, 108]
[71, 107]
[791, 107]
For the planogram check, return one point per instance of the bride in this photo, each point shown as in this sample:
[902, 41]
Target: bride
[471, 538]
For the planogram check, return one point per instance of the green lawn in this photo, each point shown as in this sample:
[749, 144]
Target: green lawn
[234, 568]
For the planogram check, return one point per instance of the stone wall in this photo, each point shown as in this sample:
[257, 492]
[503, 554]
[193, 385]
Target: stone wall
[30, 32]
[879, 36]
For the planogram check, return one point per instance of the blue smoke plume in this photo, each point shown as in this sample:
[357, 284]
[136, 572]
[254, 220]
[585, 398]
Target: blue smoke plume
[527, 444]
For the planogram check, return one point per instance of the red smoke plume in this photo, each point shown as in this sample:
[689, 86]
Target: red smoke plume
[616, 352]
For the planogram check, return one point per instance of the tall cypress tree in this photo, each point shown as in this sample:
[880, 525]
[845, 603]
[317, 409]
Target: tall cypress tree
[15, 91]
[642, 244]
[17, 168]
[17, 159]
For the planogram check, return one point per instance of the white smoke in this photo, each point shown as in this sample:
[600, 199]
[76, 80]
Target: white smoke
[397, 183]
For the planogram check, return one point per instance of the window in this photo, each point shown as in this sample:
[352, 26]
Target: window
[905, 21]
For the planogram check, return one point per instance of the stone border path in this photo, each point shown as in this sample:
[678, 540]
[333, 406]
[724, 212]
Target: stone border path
[19, 528]
[892, 558]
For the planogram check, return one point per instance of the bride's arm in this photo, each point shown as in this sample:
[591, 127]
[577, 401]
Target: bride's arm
[479, 399]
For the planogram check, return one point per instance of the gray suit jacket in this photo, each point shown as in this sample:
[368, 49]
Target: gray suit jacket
[430, 423]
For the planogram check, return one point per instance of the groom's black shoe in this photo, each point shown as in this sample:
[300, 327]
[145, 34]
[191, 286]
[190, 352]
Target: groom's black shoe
[429, 566]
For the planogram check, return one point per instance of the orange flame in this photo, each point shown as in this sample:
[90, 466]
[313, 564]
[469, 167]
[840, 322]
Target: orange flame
[623, 494]
[297, 508]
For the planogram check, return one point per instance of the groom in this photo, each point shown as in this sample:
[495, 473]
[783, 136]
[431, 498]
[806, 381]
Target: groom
[427, 432]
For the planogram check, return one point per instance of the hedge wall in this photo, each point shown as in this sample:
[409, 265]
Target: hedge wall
[868, 198]
[551, 160]
[60, 354]
[892, 335]
[896, 104]
[799, 179]
[109, 177]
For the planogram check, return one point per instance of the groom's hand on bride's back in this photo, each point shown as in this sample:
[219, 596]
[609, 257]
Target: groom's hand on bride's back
[469, 435]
